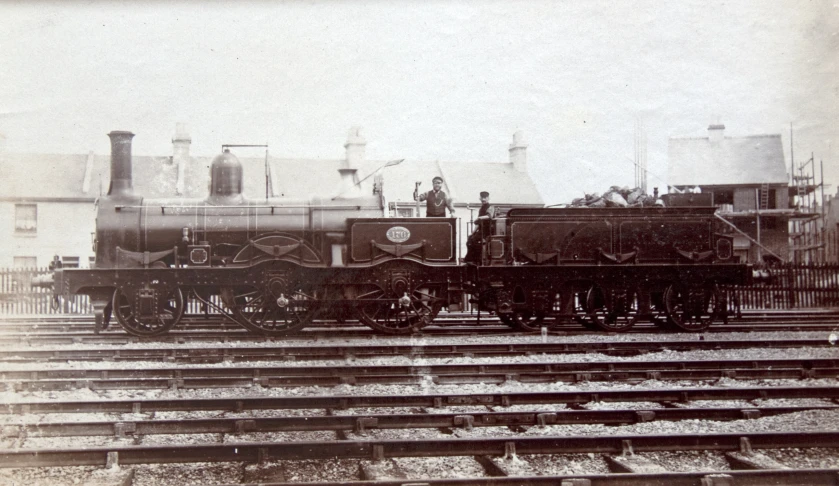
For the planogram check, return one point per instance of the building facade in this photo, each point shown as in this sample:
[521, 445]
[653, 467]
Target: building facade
[748, 181]
[47, 201]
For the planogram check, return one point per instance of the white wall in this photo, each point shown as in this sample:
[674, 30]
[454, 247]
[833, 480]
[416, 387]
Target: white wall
[63, 229]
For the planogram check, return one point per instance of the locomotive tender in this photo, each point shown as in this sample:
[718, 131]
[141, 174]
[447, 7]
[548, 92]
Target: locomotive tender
[276, 264]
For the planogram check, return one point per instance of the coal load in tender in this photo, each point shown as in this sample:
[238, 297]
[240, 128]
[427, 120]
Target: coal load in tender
[617, 197]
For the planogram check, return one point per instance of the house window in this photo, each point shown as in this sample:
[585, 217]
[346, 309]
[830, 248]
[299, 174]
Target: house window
[91, 262]
[26, 218]
[70, 262]
[723, 197]
[25, 262]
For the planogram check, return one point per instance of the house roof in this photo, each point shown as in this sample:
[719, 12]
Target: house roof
[757, 159]
[80, 175]
[64, 175]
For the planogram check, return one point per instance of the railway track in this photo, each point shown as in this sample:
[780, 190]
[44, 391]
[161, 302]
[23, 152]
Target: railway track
[668, 397]
[379, 449]
[431, 409]
[231, 352]
[502, 456]
[545, 372]
[54, 330]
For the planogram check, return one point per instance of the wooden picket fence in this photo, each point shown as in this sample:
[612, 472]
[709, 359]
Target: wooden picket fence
[792, 286]
[17, 296]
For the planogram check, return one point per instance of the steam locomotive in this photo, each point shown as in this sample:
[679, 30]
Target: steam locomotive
[274, 265]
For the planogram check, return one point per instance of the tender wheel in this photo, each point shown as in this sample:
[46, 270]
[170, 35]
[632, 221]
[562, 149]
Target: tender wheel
[259, 311]
[613, 310]
[507, 319]
[169, 311]
[527, 321]
[399, 315]
[578, 310]
[693, 309]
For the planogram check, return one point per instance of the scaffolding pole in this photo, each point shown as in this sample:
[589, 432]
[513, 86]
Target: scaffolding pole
[729, 223]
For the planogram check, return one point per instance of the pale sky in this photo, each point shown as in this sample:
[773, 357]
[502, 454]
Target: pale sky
[447, 80]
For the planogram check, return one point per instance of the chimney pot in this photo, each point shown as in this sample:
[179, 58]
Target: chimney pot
[355, 147]
[518, 152]
[716, 132]
[180, 155]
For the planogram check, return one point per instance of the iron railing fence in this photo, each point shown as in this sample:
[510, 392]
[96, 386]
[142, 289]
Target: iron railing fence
[791, 286]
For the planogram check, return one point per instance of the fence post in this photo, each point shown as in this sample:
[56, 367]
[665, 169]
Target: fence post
[791, 285]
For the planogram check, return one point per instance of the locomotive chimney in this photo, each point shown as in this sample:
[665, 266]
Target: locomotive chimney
[121, 179]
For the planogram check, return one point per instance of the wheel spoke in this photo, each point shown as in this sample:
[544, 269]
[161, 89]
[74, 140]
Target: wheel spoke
[169, 312]
[257, 310]
[692, 309]
[382, 312]
[612, 309]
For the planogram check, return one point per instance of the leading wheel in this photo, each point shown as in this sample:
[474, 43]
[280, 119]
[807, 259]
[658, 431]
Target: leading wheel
[613, 310]
[693, 309]
[403, 314]
[260, 311]
[161, 316]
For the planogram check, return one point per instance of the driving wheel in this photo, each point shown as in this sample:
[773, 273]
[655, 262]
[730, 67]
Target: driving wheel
[403, 314]
[263, 312]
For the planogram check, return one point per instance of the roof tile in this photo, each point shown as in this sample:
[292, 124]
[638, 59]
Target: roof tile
[754, 159]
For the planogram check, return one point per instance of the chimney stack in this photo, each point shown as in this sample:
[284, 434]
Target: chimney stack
[180, 143]
[121, 179]
[518, 152]
[354, 157]
[355, 148]
[716, 133]
[180, 155]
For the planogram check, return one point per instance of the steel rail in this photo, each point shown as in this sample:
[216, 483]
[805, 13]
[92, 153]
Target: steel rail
[775, 477]
[633, 371]
[199, 321]
[379, 449]
[230, 332]
[747, 313]
[343, 351]
[439, 401]
[440, 379]
[362, 423]
[814, 364]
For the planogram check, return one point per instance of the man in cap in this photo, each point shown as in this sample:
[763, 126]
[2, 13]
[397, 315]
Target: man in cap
[482, 230]
[436, 200]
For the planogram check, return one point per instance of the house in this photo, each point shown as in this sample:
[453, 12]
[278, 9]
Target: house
[747, 178]
[47, 201]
